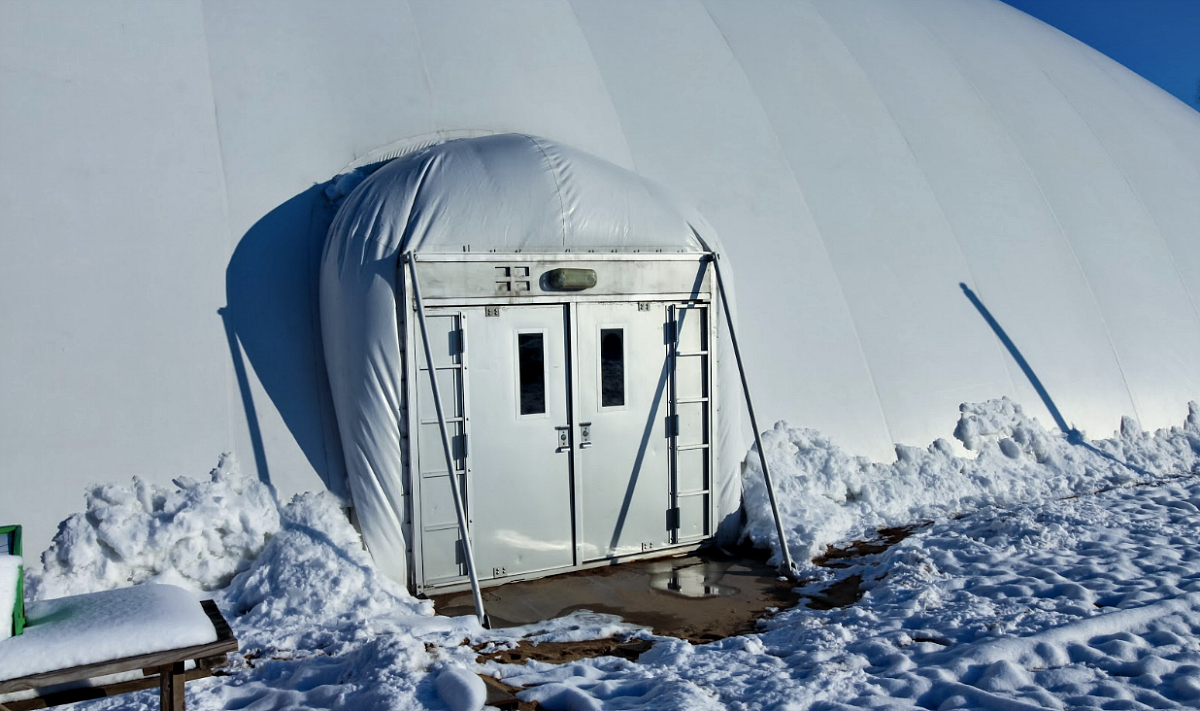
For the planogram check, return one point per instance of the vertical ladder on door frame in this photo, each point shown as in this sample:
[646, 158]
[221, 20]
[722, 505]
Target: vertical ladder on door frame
[678, 313]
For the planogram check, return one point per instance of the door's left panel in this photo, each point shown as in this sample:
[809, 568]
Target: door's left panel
[520, 444]
[442, 559]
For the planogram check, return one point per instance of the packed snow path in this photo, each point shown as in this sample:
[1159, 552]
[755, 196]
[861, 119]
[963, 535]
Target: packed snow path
[1055, 577]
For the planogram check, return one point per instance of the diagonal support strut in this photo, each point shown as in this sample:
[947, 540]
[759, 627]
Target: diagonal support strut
[459, 509]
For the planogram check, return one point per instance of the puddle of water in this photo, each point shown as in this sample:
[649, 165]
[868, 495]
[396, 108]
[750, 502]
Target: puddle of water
[693, 580]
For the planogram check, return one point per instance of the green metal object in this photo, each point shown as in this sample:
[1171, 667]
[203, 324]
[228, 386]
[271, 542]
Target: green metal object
[571, 279]
[10, 544]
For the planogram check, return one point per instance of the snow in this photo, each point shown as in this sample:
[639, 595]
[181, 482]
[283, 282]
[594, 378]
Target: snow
[10, 571]
[197, 535]
[460, 689]
[1076, 603]
[1053, 575]
[827, 495]
[95, 627]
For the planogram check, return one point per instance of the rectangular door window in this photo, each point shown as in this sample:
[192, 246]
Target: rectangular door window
[531, 359]
[612, 367]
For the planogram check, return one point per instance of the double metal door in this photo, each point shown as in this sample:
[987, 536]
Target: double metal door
[581, 433]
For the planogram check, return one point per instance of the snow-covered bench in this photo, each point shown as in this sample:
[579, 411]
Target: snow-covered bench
[113, 642]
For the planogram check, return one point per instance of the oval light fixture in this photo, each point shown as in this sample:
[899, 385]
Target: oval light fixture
[568, 279]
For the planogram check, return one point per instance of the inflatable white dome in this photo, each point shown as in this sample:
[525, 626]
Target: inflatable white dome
[166, 177]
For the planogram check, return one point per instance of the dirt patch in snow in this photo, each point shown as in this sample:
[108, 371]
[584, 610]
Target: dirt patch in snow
[559, 652]
[846, 556]
[848, 590]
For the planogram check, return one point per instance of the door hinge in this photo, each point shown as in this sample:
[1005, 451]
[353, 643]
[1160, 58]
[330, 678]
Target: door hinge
[673, 518]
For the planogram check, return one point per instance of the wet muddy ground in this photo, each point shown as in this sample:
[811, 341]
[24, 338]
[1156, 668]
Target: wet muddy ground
[701, 597]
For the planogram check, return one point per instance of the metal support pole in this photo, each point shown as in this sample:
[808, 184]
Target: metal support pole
[459, 509]
[787, 567]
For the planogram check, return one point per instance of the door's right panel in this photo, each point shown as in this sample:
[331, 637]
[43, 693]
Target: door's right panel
[623, 399]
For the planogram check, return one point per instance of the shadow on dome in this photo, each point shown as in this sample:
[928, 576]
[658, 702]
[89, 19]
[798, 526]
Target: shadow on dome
[272, 317]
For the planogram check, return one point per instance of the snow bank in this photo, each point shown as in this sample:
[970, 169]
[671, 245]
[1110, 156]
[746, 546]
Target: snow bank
[97, 627]
[320, 627]
[828, 496]
[197, 535]
[1101, 591]
[314, 586]
[10, 572]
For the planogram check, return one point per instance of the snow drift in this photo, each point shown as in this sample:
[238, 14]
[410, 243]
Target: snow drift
[827, 495]
[321, 627]
[197, 535]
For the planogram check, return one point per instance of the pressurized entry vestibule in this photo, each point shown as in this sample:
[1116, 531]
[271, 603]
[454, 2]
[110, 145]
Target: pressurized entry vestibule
[579, 397]
[525, 346]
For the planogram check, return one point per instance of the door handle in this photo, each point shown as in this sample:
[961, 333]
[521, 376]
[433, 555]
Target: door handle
[585, 435]
[564, 439]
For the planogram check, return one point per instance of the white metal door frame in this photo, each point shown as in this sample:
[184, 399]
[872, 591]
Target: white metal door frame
[671, 300]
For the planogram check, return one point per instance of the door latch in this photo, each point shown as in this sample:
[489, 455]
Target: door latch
[564, 439]
[585, 435]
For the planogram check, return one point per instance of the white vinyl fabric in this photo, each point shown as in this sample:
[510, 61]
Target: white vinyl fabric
[162, 167]
[502, 193]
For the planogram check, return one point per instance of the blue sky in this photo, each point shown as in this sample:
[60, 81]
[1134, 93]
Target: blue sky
[1159, 39]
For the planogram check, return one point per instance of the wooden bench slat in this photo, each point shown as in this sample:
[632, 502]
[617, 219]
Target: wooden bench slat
[88, 693]
[224, 643]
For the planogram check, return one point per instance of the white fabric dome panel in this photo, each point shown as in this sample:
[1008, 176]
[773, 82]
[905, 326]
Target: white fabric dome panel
[858, 159]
